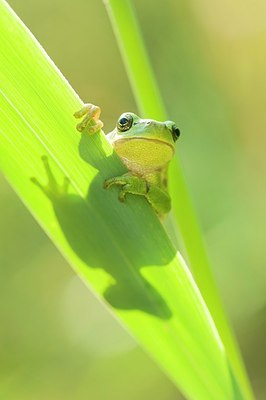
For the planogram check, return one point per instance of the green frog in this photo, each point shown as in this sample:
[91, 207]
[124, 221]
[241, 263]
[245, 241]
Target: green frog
[145, 146]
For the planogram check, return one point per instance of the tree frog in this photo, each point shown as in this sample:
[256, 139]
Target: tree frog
[145, 146]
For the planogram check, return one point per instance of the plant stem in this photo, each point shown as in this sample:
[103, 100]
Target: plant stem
[149, 102]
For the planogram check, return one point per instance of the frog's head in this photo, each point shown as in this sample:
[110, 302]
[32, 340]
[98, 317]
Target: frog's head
[147, 142]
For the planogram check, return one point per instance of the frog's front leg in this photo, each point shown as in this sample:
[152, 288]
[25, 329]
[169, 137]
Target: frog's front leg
[90, 112]
[133, 184]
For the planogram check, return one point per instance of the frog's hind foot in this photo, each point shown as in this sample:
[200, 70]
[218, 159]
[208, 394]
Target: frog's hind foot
[91, 113]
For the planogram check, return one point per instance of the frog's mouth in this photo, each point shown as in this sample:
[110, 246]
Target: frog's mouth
[145, 152]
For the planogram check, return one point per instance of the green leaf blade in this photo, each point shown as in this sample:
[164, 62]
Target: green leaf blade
[120, 250]
[147, 96]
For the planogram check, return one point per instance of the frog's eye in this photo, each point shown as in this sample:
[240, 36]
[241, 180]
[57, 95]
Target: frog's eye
[124, 123]
[175, 132]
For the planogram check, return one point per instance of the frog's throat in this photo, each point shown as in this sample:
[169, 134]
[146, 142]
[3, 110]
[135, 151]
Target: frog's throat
[148, 156]
[139, 169]
[123, 140]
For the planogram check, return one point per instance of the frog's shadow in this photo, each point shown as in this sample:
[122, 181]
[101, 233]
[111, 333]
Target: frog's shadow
[77, 215]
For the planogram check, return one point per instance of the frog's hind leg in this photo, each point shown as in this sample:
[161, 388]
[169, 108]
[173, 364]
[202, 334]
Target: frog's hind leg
[90, 112]
[159, 199]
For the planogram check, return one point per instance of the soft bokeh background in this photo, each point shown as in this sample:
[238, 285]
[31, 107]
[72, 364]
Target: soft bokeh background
[56, 340]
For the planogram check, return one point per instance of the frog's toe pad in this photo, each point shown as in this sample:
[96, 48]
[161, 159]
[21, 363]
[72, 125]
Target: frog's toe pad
[80, 127]
[107, 183]
[123, 192]
[113, 181]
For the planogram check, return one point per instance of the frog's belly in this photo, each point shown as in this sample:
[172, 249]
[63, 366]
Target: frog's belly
[140, 155]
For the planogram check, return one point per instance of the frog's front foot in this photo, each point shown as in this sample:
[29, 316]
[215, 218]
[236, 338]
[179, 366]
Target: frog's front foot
[91, 114]
[129, 184]
[157, 197]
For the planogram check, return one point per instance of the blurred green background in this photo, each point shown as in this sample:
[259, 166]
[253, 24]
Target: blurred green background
[56, 340]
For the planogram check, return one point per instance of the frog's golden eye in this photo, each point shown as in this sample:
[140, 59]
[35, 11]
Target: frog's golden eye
[125, 122]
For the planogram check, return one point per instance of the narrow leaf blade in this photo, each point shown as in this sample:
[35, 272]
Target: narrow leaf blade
[120, 250]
